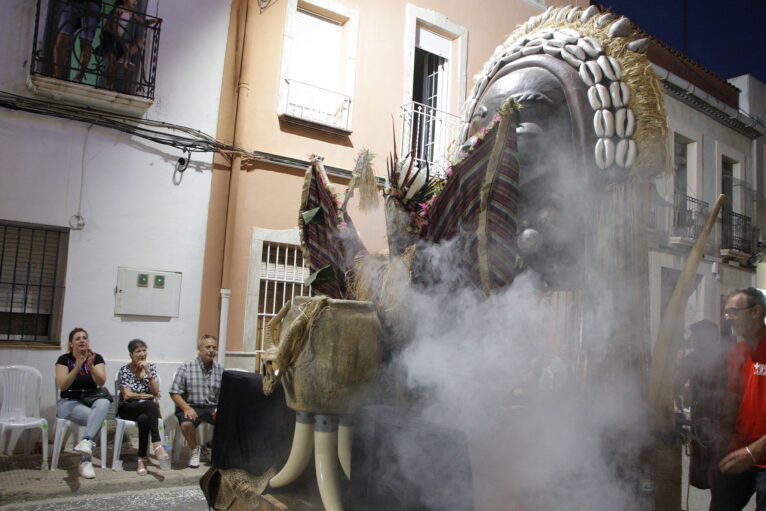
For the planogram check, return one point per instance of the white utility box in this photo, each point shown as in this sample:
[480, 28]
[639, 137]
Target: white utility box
[147, 292]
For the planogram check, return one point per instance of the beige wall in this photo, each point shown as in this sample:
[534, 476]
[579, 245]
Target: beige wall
[268, 195]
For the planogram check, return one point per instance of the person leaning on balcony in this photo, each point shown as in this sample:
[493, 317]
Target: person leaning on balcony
[742, 471]
[78, 373]
[195, 391]
[138, 390]
[75, 14]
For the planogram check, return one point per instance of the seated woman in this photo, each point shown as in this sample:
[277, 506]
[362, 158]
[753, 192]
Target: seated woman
[79, 374]
[138, 390]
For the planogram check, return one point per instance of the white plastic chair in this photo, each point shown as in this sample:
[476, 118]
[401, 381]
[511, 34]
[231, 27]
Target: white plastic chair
[62, 428]
[125, 423]
[204, 434]
[19, 383]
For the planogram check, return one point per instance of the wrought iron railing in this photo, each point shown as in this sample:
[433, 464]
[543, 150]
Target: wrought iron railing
[427, 134]
[94, 43]
[315, 104]
[737, 232]
[689, 215]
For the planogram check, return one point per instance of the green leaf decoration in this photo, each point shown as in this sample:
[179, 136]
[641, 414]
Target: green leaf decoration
[314, 215]
[325, 274]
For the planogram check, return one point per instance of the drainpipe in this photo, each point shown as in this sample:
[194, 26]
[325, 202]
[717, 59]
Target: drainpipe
[240, 118]
[223, 326]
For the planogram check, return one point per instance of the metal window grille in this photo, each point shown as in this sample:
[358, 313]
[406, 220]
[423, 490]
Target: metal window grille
[32, 268]
[282, 275]
[126, 64]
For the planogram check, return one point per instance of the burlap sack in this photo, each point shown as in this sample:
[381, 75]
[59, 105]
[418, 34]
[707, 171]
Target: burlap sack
[329, 354]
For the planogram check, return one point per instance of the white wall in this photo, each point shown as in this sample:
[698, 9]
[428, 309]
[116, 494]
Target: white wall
[134, 214]
[713, 139]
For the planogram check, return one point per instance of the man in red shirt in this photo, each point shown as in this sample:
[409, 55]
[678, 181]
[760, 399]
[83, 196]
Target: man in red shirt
[743, 469]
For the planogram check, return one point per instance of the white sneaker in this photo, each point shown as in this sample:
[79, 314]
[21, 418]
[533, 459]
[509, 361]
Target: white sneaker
[85, 447]
[194, 459]
[86, 470]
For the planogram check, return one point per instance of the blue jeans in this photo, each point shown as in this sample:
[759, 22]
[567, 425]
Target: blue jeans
[84, 15]
[79, 413]
[733, 492]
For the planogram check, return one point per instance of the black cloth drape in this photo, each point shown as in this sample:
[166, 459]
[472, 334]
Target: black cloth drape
[252, 431]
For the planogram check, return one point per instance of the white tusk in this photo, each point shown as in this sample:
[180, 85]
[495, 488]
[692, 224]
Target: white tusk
[326, 461]
[345, 440]
[300, 452]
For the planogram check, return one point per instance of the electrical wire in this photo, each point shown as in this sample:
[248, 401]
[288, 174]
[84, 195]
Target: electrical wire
[181, 137]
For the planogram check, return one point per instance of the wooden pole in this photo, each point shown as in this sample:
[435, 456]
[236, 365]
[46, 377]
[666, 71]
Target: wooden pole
[664, 453]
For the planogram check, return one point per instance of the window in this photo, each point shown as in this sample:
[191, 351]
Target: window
[275, 277]
[435, 67]
[101, 44]
[737, 230]
[318, 65]
[689, 212]
[32, 273]
[680, 157]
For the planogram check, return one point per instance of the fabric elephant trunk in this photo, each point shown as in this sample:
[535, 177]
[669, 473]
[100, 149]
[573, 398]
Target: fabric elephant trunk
[328, 355]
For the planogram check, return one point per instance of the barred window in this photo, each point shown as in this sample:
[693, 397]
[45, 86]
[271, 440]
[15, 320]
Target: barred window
[32, 272]
[281, 280]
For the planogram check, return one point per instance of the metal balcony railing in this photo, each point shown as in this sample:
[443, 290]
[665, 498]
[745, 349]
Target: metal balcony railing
[317, 105]
[737, 232]
[96, 44]
[426, 134]
[689, 215]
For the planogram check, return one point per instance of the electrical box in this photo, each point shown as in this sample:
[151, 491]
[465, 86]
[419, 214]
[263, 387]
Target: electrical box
[147, 292]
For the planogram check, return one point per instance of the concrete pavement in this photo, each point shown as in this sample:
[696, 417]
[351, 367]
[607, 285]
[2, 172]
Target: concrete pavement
[21, 479]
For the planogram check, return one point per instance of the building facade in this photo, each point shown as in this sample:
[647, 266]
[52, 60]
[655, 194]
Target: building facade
[99, 226]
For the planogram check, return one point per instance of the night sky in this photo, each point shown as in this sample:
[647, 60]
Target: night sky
[726, 36]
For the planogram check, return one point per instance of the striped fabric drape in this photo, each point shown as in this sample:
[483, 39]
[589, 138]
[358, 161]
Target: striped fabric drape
[479, 205]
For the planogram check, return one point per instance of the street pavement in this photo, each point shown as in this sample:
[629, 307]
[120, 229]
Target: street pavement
[186, 498]
[22, 482]
[23, 486]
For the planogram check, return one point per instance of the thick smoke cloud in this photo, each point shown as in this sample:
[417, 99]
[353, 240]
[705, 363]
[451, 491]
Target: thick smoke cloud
[542, 433]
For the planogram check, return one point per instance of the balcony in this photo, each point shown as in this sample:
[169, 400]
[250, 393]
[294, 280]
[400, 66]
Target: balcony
[101, 56]
[689, 215]
[313, 107]
[737, 236]
[426, 135]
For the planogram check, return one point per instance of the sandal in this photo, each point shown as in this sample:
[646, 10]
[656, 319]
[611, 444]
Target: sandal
[141, 470]
[159, 452]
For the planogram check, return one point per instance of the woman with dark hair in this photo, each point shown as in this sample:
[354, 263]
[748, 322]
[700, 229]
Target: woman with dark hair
[79, 374]
[138, 390]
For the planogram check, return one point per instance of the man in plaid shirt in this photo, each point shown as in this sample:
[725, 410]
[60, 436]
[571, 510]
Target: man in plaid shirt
[195, 392]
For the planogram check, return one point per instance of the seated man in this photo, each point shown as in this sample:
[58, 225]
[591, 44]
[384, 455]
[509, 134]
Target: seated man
[195, 392]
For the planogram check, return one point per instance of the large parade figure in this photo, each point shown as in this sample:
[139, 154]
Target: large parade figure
[563, 132]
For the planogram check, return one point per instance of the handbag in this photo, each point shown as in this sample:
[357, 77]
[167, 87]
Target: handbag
[90, 396]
